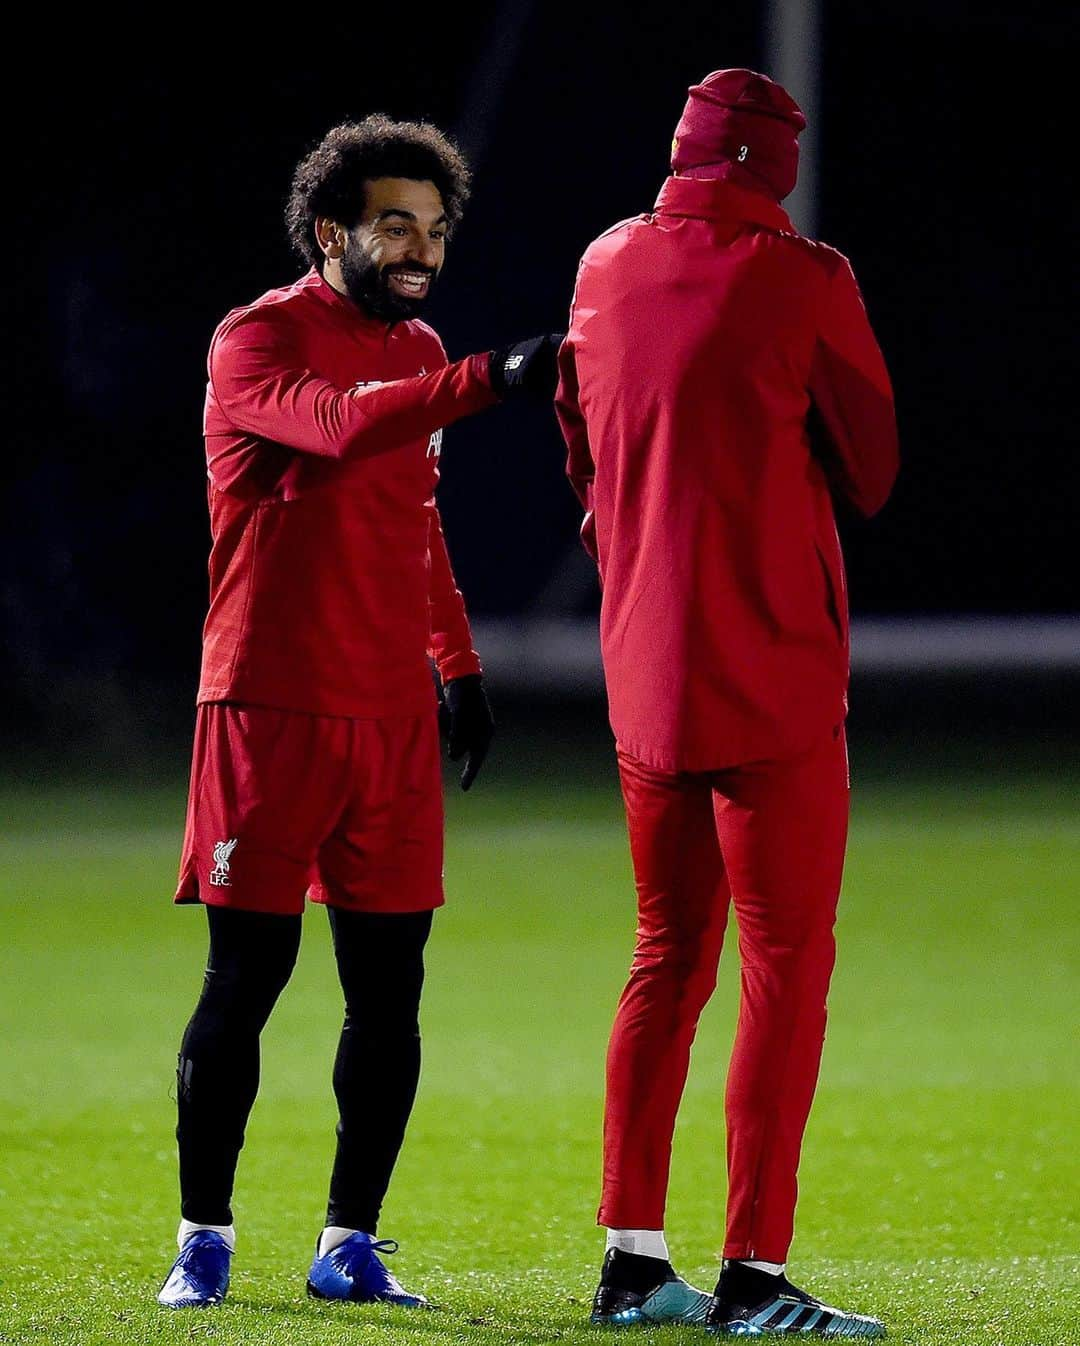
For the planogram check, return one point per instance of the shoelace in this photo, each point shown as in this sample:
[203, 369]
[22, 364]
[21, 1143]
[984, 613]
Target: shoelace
[193, 1245]
[389, 1246]
[189, 1252]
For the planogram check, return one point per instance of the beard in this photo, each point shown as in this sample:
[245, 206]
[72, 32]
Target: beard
[369, 285]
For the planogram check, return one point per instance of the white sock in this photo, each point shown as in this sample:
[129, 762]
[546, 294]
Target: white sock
[189, 1227]
[773, 1268]
[333, 1235]
[643, 1242]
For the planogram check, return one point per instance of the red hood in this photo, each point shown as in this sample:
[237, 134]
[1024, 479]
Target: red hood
[743, 127]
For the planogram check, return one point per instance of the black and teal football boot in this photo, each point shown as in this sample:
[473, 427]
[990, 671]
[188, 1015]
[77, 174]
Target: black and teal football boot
[748, 1302]
[642, 1290]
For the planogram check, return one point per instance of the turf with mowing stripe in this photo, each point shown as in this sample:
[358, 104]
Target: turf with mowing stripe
[939, 1179]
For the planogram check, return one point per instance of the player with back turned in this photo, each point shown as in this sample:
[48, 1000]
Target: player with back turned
[316, 768]
[721, 386]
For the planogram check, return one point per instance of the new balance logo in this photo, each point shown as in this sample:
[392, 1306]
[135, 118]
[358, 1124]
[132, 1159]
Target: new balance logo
[513, 362]
[219, 875]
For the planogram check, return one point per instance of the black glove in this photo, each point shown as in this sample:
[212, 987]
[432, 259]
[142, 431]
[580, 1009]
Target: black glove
[466, 721]
[528, 368]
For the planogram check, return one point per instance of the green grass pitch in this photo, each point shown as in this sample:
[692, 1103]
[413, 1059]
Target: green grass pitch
[939, 1176]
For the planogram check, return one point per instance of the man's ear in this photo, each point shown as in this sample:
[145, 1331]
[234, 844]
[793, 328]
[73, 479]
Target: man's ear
[330, 237]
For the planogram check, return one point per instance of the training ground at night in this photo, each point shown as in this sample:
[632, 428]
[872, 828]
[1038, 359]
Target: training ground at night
[940, 1184]
[939, 1179]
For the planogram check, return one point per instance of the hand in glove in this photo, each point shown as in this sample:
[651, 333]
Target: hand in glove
[467, 723]
[528, 368]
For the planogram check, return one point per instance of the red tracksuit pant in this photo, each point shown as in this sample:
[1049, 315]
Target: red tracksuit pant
[769, 838]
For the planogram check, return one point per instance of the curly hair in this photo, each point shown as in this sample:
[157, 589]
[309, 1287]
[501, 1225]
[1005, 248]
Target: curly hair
[329, 182]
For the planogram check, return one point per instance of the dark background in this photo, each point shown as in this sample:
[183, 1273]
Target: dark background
[152, 173]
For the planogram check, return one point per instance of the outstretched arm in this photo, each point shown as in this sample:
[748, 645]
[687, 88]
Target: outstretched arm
[260, 386]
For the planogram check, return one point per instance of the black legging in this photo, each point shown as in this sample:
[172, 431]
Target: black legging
[380, 962]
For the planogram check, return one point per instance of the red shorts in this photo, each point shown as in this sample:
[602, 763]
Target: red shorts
[283, 805]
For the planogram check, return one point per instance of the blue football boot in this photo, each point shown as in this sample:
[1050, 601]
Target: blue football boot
[750, 1302]
[354, 1271]
[199, 1277]
[635, 1289]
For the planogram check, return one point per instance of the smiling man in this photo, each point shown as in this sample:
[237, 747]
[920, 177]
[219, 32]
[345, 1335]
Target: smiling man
[316, 763]
[390, 263]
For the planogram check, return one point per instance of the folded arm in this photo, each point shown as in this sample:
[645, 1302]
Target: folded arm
[853, 419]
[579, 462]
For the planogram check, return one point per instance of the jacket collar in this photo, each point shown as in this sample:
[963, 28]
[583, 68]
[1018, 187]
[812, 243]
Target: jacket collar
[713, 198]
[319, 288]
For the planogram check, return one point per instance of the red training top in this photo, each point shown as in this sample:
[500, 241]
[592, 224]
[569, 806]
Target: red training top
[701, 338]
[329, 580]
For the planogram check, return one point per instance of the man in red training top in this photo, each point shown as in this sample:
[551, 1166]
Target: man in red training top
[720, 387]
[316, 762]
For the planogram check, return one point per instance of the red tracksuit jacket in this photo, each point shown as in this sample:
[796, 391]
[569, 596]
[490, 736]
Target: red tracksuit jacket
[704, 337]
[329, 579]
